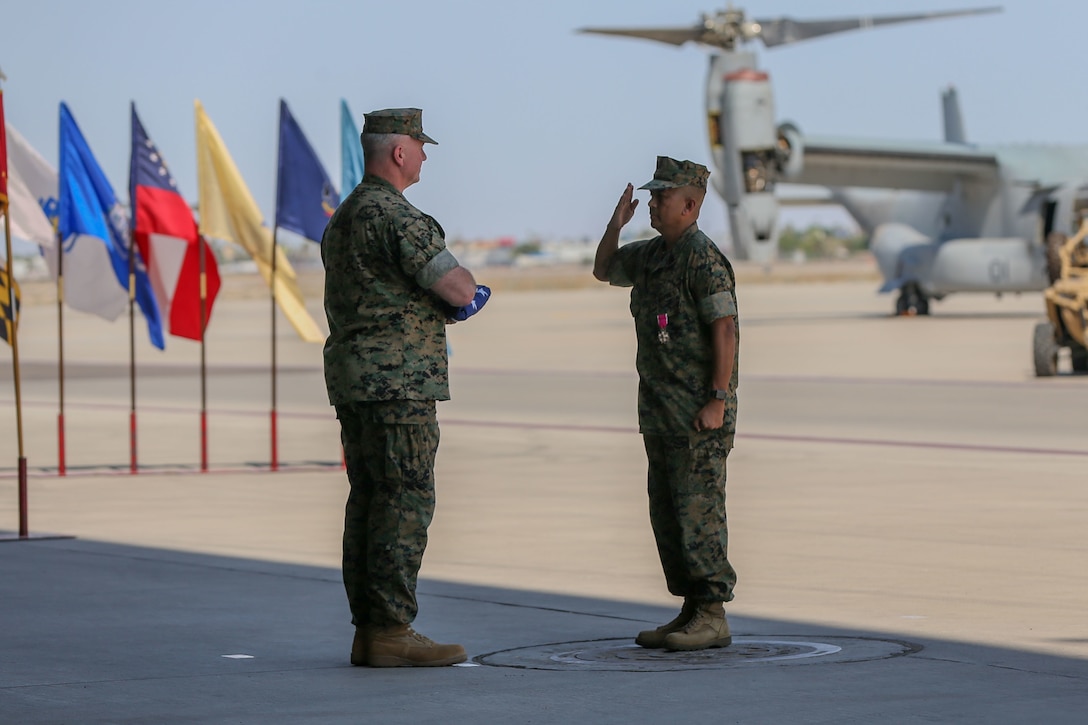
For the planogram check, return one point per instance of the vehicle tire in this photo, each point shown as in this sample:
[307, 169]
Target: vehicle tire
[902, 303]
[1079, 356]
[1045, 350]
[1054, 242]
[911, 301]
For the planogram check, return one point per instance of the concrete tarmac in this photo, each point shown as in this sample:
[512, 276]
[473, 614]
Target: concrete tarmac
[907, 508]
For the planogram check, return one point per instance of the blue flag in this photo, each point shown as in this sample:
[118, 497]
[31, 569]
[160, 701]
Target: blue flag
[305, 198]
[90, 215]
[351, 152]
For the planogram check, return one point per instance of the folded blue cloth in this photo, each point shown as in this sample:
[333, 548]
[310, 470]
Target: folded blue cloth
[460, 314]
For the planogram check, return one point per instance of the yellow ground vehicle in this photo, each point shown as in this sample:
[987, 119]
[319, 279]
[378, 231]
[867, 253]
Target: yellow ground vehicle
[1066, 309]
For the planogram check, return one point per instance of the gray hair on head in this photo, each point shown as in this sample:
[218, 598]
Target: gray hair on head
[377, 144]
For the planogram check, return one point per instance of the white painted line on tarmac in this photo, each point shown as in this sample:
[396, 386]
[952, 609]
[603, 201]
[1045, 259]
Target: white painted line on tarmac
[238, 657]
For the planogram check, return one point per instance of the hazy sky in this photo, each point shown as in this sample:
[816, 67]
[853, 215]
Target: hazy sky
[539, 127]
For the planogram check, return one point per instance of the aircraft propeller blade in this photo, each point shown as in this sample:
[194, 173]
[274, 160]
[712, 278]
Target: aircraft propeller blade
[727, 28]
[782, 31]
[672, 36]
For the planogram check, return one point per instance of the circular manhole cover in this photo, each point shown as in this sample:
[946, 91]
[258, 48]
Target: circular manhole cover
[622, 655]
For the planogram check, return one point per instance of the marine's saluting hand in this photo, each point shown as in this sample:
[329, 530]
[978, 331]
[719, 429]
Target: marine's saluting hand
[625, 208]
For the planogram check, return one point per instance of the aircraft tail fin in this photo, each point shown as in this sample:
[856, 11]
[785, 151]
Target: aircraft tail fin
[953, 119]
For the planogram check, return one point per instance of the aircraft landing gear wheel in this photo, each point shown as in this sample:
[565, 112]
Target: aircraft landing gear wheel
[1079, 356]
[911, 301]
[1045, 350]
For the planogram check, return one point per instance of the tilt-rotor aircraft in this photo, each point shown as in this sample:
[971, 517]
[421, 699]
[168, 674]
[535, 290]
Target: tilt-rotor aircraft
[941, 217]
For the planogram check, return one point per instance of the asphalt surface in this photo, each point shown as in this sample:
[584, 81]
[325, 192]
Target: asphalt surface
[907, 508]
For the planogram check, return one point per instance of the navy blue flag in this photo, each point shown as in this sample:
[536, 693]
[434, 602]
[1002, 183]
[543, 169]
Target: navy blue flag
[305, 198]
[460, 314]
[90, 216]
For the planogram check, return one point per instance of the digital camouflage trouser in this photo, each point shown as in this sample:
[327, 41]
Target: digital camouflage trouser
[686, 484]
[389, 449]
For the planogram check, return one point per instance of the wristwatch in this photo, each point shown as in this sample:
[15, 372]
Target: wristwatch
[720, 394]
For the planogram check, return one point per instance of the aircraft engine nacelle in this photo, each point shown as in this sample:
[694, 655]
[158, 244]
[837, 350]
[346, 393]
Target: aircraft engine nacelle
[987, 264]
[976, 264]
[744, 142]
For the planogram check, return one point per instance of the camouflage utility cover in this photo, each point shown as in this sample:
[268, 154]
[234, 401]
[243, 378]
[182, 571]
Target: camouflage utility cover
[387, 332]
[693, 284]
[404, 121]
[671, 174]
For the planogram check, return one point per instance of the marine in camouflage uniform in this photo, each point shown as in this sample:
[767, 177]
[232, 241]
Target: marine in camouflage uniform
[386, 266]
[684, 305]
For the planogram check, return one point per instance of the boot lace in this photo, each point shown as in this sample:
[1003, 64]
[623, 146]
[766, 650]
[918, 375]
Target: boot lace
[417, 637]
[696, 622]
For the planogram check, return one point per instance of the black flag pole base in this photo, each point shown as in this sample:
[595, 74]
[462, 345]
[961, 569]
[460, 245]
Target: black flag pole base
[13, 536]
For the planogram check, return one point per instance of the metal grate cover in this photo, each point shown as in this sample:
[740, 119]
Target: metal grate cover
[622, 655]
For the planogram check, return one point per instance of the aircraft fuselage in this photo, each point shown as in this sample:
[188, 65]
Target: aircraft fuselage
[979, 234]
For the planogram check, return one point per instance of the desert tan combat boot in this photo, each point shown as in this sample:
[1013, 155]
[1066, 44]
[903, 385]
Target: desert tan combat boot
[655, 638]
[402, 646]
[707, 628]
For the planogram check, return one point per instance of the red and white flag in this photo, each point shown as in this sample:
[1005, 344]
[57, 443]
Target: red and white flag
[168, 239]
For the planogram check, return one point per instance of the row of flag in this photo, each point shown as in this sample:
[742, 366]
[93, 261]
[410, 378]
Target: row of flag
[76, 205]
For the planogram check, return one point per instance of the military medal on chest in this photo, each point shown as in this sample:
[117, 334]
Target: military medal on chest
[662, 328]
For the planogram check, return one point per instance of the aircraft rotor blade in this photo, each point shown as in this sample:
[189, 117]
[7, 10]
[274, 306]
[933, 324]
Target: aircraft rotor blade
[672, 36]
[782, 31]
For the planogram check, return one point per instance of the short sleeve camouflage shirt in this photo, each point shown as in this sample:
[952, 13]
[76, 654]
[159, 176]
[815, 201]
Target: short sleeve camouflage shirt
[683, 290]
[387, 331]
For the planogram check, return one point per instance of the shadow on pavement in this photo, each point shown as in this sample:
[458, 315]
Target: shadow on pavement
[94, 632]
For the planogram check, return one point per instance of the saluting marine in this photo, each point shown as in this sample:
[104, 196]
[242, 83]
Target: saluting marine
[684, 306]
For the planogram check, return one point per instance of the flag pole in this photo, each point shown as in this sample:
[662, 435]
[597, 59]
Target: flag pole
[24, 528]
[275, 453]
[132, 351]
[275, 463]
[62, 469]
[203, 359]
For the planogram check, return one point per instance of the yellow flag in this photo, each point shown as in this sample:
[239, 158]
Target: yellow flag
[8, 316]
[228, 212]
